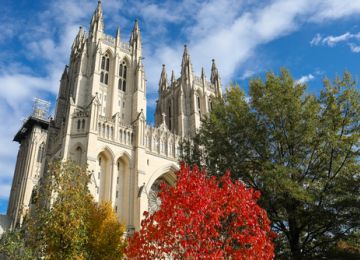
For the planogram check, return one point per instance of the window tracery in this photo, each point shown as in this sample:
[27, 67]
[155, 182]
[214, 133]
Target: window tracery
[105, 67]
[122, 76]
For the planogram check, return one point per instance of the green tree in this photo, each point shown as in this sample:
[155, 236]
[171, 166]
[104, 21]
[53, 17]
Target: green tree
[65, 227]
[300, 150]
[12, 246]
[65, 222]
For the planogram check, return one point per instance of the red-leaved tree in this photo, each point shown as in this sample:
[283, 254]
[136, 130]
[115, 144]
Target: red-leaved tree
[202, 217]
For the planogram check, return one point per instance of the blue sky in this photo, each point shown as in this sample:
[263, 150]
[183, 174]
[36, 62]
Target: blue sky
[312, 38]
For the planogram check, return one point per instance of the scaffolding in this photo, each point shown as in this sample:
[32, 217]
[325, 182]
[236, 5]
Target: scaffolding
[40, 108]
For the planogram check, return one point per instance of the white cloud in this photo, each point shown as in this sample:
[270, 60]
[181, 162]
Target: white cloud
[316, 40]
[332, 40]
[354, 48]
[4, 191]
[232, 39]
[228, 30]
[304, 79]
[333, 9]
[247, 74]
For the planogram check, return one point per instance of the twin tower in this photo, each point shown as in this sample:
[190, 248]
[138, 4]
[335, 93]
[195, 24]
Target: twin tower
[100, 120]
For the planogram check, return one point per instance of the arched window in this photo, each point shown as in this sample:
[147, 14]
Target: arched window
[122, 77]
[78, 154]
[83, 124]
[78, 124]
[40, 153]
[105, 68]
[103, 63]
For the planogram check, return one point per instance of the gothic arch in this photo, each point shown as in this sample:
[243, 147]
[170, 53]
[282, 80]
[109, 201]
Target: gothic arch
[104, 174]
[122, 187]
[77, 152]
[126, 59]
[123, 154]
[110, 52]
[199, 92]
[107, 149]
[167, 172]
[164, 174]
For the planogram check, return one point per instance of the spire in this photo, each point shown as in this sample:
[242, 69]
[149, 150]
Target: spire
[117, 38]
[172, 77]
[163, 79]
[203, 78]
[135, 40]
[97, 21]
[215, 78]
[63, 84]
[65, 73]
[202, 73]
[135, 34]
[79, 42]
[214, 72]
[186, 67]
[186, 57]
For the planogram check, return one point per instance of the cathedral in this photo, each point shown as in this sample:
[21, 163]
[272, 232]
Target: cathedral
[100, 121]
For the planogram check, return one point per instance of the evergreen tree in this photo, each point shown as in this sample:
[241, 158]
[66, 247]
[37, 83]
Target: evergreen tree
[300, 150]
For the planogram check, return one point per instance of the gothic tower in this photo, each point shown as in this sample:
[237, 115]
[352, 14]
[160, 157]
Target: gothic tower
[100, 121]
[102, 101]
[183, 101]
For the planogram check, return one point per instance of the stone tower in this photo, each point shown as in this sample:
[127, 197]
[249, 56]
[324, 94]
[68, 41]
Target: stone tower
[30, 161]
[100, 119]
[183, 101]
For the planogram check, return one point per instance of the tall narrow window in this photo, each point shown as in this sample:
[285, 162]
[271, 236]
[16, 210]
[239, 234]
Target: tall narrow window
[169, 117]
[78, 124]
[105, 67]
[198, 102]
[122, 77]
[40, 153]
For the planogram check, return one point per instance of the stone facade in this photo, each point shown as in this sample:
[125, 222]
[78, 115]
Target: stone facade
[100, 120]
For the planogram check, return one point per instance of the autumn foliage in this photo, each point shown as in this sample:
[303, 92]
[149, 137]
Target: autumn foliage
[203, 217]
[105, 233]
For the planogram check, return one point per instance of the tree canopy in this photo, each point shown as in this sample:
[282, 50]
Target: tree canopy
[204, 218]
[300, 150]
[65, 222]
